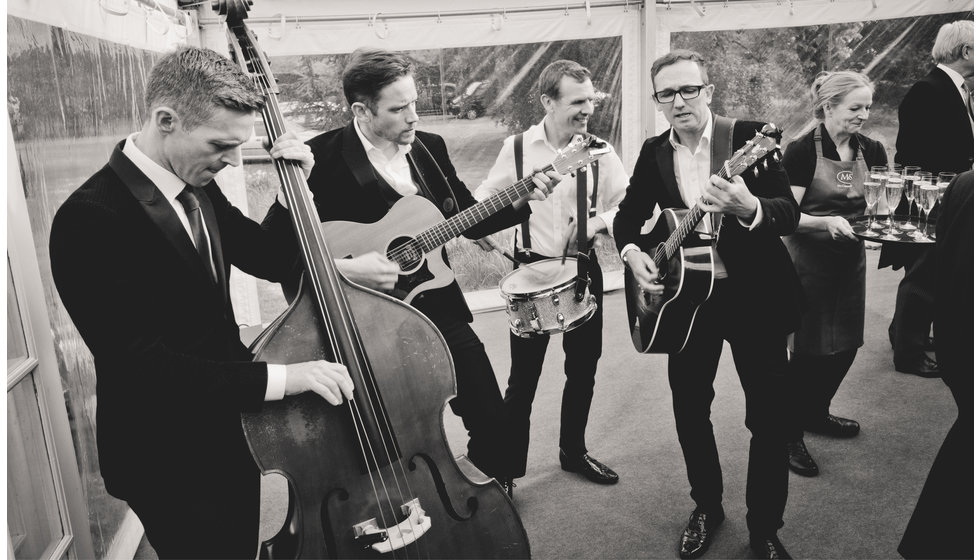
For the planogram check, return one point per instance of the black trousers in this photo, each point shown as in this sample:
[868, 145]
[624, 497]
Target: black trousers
[582, 347]
[220, 520]
[915, 303]
[478, 401]
[815, 380]
[760, 359]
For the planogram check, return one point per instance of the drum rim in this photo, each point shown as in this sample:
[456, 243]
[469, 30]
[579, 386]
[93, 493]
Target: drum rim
[527, 296]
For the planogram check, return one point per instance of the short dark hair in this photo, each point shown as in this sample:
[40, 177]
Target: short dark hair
[674, 57]
[550, 78]
[195, 82]
[370, 70]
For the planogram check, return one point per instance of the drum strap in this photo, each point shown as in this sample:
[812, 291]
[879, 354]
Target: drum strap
[582, 280]
[519, 173]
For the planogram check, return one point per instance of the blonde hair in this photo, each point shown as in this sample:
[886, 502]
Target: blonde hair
[950, 41]
[830, 88]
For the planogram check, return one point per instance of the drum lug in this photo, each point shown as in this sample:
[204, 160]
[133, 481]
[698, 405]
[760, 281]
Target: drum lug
[534, 321]
[516, 324]
[513, 306]
[555, 299]
[561, 321]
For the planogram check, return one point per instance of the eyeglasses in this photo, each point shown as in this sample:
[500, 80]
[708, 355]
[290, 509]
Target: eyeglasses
[687, 92]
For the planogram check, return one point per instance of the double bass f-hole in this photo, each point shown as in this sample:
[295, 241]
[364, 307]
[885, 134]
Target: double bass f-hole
[373, 476]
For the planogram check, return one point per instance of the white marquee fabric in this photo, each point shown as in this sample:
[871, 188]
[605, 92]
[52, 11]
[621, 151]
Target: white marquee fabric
[151, 25]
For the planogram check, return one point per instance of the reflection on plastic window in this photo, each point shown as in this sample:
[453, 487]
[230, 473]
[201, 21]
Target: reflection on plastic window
[34, 520]
[16, 339]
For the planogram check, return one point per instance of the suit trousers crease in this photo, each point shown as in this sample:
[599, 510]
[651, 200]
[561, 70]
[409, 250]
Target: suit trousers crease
[582, 347]
[760, 360]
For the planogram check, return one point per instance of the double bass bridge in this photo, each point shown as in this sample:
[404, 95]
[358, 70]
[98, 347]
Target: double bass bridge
[388, 539]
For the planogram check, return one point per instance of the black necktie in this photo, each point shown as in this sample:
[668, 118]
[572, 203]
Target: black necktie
[192, 207]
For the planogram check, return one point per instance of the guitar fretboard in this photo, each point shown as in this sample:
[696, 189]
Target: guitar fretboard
[443, 232]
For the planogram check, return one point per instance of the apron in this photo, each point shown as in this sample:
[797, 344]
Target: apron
[832, 272]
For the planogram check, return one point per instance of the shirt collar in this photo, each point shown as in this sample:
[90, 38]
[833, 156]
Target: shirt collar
[537, 134]
[953, 75]
[675, 141]
[168, 183]
[369, 147]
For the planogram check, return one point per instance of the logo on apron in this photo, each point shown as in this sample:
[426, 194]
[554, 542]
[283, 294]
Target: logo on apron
[844, 178]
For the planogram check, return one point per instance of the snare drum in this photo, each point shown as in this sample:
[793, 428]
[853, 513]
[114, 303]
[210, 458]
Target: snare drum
[540, 298]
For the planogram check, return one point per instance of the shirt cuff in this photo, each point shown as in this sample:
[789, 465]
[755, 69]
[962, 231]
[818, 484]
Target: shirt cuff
[758, 216]
[629, 247]
[275, 385]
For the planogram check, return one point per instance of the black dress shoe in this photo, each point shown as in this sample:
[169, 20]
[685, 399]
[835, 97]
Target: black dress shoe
[800, 460]
[699, 532]
[769, 548]
[923, 366]
[588, 467]
[834, 426]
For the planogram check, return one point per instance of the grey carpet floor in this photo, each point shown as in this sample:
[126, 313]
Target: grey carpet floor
[856, 508]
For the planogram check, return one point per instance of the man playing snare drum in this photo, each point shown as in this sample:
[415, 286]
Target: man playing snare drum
[569, 100]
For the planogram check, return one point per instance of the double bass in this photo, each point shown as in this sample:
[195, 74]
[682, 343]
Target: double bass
[375, 476]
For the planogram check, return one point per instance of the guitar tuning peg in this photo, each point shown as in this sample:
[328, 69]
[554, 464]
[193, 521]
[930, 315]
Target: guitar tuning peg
[765, 164]
[755, 172]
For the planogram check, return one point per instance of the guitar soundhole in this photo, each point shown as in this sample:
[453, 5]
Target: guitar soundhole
[404, 252]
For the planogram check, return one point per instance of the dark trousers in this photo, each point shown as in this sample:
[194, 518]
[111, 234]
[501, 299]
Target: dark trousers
[760, 360]
[915, 303]
[478, 401]
[815, 380]
[582, 347]
[194, 521]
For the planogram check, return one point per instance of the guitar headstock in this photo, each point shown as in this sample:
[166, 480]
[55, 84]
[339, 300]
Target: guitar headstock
[234, 11]
[243, 44]
[756, 152]
[580, 153]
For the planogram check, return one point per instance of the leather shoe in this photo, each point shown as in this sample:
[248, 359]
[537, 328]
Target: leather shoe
[930, 345]
[800, 460]
[835, 426]
[769, 548]
[587, 467]
[923, 366]
[699, 531]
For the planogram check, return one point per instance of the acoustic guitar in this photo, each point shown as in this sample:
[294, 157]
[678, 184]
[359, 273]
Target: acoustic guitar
[413, 231]
[687, 264]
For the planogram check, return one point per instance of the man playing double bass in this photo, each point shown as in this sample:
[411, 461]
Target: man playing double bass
[753, 308]
[140, 255]
[362, 170]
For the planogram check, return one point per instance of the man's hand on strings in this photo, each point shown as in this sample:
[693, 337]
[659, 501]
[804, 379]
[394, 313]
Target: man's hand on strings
[289, 147]
[371, 270]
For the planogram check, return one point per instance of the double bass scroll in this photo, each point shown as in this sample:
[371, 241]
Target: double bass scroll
[374, 476]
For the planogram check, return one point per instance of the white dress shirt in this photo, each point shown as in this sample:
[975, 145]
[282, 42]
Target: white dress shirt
[395, 171]
[171, 186]
[550, 217]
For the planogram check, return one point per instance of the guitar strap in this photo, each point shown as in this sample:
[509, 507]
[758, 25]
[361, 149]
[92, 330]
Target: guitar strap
[722, 146]
[446, 201]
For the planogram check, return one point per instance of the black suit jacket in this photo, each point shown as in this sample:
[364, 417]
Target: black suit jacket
[762, 278]
[934, 129]
[934, 133]
[173, 375]
[346, 187]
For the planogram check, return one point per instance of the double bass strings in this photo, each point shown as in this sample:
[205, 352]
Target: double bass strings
[288, 173]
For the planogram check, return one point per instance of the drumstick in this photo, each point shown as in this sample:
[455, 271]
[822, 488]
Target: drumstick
[489, 240]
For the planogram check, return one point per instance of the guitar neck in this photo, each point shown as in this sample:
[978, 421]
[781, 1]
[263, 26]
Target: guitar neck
[443, 232]
[687, 224]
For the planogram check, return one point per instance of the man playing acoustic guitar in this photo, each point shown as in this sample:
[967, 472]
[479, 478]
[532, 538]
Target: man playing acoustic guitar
[753, 307]
[364, 173]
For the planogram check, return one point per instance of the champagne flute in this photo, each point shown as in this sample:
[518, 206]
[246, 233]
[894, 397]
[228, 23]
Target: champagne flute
[908, 182]
[921, 178]
[878, 173]
[942, 181]
[872, 192]
[893, 195]
[928, 195]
